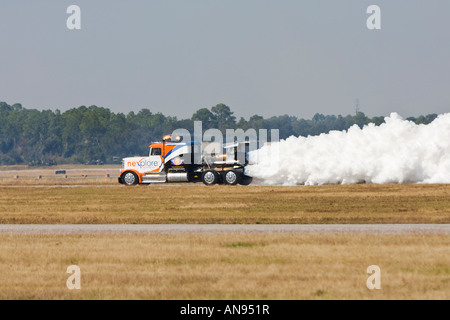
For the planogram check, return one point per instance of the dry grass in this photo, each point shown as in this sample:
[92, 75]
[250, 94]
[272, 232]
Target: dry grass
[196, 203]
[234, 266]
[75, 175]
[25, 168]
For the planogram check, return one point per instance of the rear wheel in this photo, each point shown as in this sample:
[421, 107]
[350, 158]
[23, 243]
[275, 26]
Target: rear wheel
[130, 178]
[210, 177]
[232, 177]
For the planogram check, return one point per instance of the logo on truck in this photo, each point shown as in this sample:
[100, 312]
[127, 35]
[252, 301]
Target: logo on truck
[144, 163]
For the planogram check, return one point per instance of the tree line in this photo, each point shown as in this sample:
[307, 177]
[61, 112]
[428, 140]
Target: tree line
[95, 135]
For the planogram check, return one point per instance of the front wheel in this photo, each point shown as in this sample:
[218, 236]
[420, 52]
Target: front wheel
[210, 177]
[130, 178]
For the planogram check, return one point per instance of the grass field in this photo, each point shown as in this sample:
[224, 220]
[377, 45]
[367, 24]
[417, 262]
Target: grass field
[221, 266]
[21, 175]
[234, 266]
[196, 203]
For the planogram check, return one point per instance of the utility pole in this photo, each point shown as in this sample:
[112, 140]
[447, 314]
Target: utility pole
[357, 106]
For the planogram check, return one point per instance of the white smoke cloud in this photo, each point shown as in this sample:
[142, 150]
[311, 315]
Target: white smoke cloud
[398, 151]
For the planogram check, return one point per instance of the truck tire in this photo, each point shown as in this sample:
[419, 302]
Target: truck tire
[210, 177]
[232, 177]
[130, 178]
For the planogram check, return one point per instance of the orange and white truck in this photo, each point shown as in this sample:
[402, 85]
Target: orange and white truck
[173, 160]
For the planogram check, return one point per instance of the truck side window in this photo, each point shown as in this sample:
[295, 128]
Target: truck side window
[156, 152]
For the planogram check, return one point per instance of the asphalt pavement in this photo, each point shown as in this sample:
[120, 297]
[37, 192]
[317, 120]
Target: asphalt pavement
[226, 229]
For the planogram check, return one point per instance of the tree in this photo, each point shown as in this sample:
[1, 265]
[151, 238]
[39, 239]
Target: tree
[86, 134]
[224, 117]
[207, 118]
[360, 119]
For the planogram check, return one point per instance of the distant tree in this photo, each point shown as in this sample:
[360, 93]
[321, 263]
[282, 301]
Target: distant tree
[430, 118]
[207, 118]
[377, 120]
[360, 119]
[87, 134]
[224, 117]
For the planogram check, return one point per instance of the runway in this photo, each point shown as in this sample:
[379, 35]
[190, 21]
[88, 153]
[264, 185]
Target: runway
[23, 229]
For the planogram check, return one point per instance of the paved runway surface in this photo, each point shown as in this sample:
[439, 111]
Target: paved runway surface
[224, 228]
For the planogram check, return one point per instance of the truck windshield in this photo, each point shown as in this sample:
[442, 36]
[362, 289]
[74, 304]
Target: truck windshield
[155, 152]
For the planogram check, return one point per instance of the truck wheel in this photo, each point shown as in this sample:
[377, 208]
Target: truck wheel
[232, 177]
[130, 178]
[245, 180]
[210, 177]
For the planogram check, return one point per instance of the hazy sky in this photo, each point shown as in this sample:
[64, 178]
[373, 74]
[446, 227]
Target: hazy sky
[263, 57]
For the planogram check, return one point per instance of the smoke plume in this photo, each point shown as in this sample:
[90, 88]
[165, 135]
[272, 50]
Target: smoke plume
[397, 151]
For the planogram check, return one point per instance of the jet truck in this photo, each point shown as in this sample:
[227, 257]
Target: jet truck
[173, 160]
